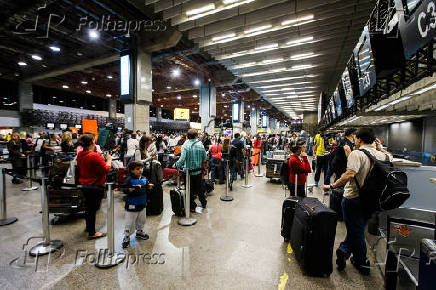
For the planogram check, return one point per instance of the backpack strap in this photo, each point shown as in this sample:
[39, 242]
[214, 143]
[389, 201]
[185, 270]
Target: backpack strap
[372, 161]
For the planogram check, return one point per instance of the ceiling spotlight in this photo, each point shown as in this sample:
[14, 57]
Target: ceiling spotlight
[65, 87]
[88, 91]
[36, 57]
[161, 106]
[109, 77]
[169, 87]
[179, 97]
[108, 95]
[84, 82]
[176, 73]
[152, 90]
[79, 53]
[55, 48]
[223, 95]
[22, 63]
[93, 34]
[197, 82]
[194, 96]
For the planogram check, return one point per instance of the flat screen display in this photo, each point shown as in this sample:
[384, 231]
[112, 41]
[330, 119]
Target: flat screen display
[125, 74]
[78, 126]
[63, 126]
[181, 114]
[264, 121]
[338, 103]
[50, 125]
[348, 89]
[235, 112]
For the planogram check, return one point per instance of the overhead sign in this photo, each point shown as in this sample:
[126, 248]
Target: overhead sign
[365, 62]
[417, 25]
[236, 112]
[181, 114]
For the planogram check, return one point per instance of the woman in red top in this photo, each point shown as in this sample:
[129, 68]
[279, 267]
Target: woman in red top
[216, 170]
[92, 170]
[298, 164]
[257, 147]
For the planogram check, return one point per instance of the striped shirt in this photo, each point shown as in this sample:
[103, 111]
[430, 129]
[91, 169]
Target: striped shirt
[192, 156]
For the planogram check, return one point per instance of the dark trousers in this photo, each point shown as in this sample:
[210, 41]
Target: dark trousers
[355, 223]
[197, 189]
[93, 199]
[301, 191]
[336, 170]
[321, 165]
[216, 169]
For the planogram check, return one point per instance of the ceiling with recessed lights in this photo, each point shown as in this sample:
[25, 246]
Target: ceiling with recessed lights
[287, 51]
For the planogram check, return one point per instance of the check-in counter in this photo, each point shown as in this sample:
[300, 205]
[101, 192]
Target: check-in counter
[405, 227]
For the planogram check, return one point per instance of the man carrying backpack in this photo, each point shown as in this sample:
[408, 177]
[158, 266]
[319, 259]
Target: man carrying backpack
[355, 217]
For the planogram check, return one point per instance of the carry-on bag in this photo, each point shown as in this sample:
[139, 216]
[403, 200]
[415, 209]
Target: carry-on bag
[177, 197]
[155, 200]
[288, 211]
[335, 204]
[313, 235]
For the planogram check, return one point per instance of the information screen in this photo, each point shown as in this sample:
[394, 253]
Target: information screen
[235, 112]
[63, 126]
[78, 126]
[50, 125]
[264, 121]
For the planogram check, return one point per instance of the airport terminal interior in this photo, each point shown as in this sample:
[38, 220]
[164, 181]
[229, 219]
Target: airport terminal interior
[218, 144]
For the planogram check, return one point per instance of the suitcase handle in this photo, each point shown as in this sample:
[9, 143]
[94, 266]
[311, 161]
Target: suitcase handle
[311, 207]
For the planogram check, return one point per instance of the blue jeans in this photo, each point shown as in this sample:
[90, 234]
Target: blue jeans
[216, 169]
[355, 223]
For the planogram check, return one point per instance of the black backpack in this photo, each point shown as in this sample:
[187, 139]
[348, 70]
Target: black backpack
[385, 186]
[285, 171]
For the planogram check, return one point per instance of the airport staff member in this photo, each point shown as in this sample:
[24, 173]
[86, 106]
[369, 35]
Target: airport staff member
[358, 166]
[193, 157]
[319, 150]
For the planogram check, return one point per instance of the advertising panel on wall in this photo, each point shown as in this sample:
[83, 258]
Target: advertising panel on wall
[236, 111]
[320, 111]
[332, 108]
[338, 103]
[348, 86]
[181, 114]
[264, 120]
[417, 25]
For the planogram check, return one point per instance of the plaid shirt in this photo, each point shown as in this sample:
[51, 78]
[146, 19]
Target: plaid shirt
[192, 156]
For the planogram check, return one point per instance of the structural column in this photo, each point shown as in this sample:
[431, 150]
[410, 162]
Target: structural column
[159, 114]
[137, 114]
[254, 117]
[272, 124]
[112, 108]
[238, 116]
[208, 107]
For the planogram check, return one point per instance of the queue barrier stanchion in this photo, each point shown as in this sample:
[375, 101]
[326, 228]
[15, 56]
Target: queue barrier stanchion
[247, 163]
[187, 220]
[110, 258]
[30, 186]
[259, 164]
[178, 178]
[227, 197]
[47, 246]
[4, 220]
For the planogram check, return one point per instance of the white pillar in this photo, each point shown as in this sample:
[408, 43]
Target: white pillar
[208, 107]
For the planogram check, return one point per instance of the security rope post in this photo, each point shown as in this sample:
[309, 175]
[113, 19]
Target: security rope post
[47, 246]
[30, 176]
[259, 164]
[187, 220]
[109, 258]
[4, 220]
[247, 163]
[227, 197]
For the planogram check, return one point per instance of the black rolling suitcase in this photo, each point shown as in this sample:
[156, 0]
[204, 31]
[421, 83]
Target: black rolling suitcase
[313, 235]
[335, 204]
[155, 200]
[288, 211]
[177, 197]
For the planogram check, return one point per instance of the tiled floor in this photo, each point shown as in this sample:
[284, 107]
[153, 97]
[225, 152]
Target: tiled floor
[234, 245]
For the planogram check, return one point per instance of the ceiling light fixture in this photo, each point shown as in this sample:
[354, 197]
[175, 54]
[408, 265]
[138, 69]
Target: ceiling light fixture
[168, 87]
[393, 103]
[267, 46]
[179, 97]
[65, 87]
[283, 79]
[425, 89]
[297, 20]
[194, 96]
[258, 28]
[196, 82]
[22, 63]
[299, 41]
[175, 73]
[93, 34]
[303, 56]
[84, 82]
[283, 85]
[108, 95]
[110, 77]
[228, 35]
[36, 57]
[205, 8]
[88, 91]
[55, 48]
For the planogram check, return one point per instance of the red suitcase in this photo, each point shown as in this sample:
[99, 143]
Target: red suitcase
[169, 174]
[122, 175]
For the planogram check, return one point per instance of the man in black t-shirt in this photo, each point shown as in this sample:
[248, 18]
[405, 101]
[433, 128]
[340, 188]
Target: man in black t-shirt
[340, 155]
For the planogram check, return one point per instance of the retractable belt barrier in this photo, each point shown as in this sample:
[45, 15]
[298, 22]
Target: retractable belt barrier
[259, 164]
[4, 220]
[227, 197]
[247, 163]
